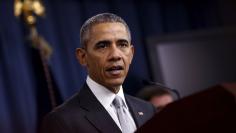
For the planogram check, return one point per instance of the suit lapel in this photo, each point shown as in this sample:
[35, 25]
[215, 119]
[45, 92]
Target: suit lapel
[136, 111]
[103, 122]
[96, 113]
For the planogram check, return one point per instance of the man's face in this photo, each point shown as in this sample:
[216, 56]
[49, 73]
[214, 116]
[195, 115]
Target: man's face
[108, 54]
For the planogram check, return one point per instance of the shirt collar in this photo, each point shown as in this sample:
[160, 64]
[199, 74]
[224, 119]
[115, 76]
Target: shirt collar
[104, 95]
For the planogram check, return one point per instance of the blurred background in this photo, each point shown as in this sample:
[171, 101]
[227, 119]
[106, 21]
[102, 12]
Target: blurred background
[188, 45]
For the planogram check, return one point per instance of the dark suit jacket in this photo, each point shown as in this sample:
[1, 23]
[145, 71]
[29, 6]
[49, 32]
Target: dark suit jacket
[83, 113]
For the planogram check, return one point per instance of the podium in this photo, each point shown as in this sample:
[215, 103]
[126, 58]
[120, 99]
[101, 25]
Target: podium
[209, 111]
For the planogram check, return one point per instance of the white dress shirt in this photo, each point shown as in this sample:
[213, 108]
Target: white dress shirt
[106, 97]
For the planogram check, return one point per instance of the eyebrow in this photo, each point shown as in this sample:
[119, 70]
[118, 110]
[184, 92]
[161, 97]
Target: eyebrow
[103, 41]
[122, 40]
[107, 41]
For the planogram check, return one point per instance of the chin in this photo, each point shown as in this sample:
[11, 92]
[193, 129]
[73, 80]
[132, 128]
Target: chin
[115, 84]
[118, 81]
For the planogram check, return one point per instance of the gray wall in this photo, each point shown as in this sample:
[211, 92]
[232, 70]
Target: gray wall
[191, 62]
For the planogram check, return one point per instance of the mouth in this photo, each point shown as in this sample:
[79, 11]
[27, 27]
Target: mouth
[115, 70]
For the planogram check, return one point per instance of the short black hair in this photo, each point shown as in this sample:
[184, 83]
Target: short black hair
[149, 91]
[97, 19]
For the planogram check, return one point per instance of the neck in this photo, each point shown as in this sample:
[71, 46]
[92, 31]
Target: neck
[115, 89]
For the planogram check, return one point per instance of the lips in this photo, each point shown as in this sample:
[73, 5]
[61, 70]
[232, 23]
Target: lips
[115, 70]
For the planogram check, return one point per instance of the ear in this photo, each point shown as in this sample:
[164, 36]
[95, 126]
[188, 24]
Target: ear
[81, 56]
[132, 53]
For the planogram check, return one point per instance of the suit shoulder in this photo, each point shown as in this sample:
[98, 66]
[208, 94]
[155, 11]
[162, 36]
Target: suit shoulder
[64, 118]
[68, 106]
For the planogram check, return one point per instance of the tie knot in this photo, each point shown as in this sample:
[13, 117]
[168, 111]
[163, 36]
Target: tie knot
[118, 102]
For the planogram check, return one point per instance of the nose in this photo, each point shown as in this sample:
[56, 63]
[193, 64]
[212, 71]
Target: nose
[114, 53]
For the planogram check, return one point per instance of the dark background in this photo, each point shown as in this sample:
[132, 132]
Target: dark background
[23, 93]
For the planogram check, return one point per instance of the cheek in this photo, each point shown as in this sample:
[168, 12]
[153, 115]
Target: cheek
[129, 58]
[95, 63]
[130, 55]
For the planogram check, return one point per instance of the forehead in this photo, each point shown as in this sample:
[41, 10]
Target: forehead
[164, 98]
[110, 29]
[107, 24]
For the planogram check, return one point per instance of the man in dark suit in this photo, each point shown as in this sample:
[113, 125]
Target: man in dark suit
[107, 53]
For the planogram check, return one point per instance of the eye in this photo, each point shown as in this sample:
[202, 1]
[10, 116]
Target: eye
[102, 44]
[123, 44]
